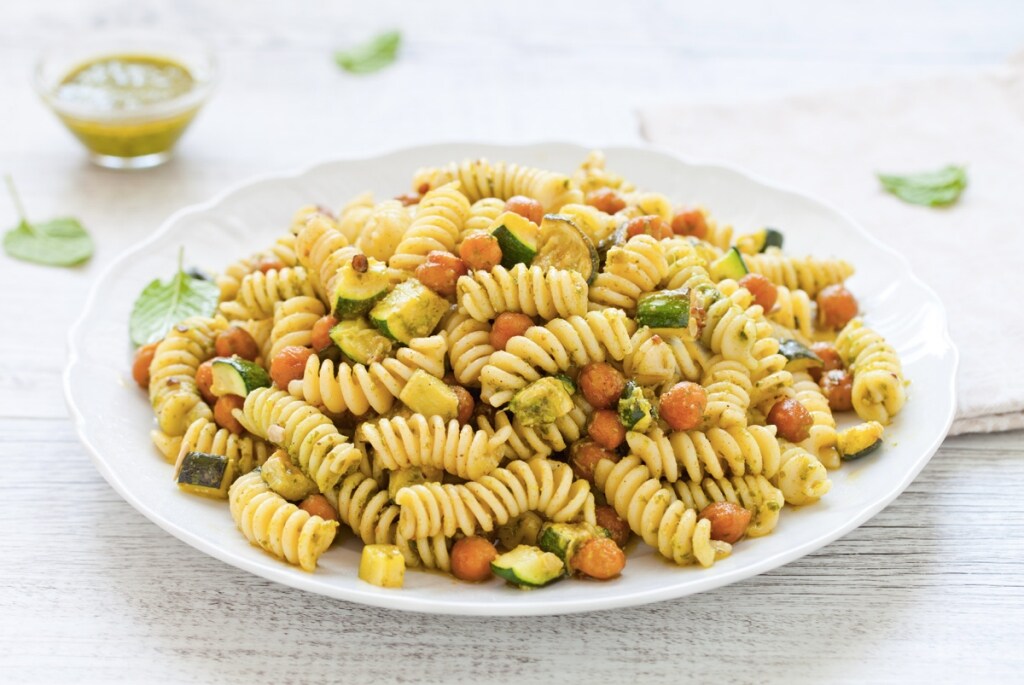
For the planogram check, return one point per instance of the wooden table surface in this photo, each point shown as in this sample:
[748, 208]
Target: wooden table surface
[930, 590]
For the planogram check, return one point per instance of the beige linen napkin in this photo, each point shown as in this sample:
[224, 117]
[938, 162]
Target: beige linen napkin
[972, 254]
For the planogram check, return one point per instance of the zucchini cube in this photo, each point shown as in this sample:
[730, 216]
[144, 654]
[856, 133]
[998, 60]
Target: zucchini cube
[205, 474]
[382, 565]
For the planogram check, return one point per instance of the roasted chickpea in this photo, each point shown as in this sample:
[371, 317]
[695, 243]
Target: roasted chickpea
[269, 264]
[606, 200]
[441, 272]
[830, 359]
[764, 291]
[236, 340]
[526, 207]
[222, 413]
[601, 384]
[471, 559]
[317, 505]
[651, 224]
[140, 366]
[466, 404]
[836, 306]
[480, 250]
[600, 558]
[837, 385]
[423, 188]
[322, 332]
[508, 325]
[728, 521]
[606, 430]
[408, 199]
[616, 526]
[683, 406]
[792, 420]
[289, 365]
[204, 382]
[690, 222]
[584, 456]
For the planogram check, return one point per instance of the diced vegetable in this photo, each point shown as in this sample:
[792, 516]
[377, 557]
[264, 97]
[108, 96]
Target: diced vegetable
[570, 386]
[430, 396]
[359, 341]
[729, 265]
[564, 539]
[358, 286]
[382, 565]
[528, 566]
[237, 376]
[860, 440]
[636, 411]
[664, 309]
[411, 310]
[209, 475]
[759, 241]
[286, 479]
[798, 356]
[563, 245]
[542, 401]
[412, 475]
[517, 237]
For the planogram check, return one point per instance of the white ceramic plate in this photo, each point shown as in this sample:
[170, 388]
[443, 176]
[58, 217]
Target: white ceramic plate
[113, 417]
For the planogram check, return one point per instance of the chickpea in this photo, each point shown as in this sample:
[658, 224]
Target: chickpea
[508, 325]
[601, 384]
[683, 406]
[423, 188]
[616, 526]
[836, 306]
[837, 385]
[269, 264]
[606, 200]
[691, 222]
[140, 366]
[322, 332]
[792, 420]
[600, 558]
[480, 250]
[466, 404]
[289, 365]
[830, 359]
[764, 291]
[408, 199]
[317, 505]
[471, 559]
[441, 272]
[204, 382]
[584, 457]
[526, 207]
[223, 416]
[728, 521]
[606, 430]
[652, 225]
[236, 340]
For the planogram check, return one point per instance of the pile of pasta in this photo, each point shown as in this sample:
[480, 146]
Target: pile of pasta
[343, 429]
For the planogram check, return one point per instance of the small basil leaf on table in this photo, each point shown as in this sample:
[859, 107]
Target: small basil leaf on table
[58, 242]
[163, 304]
[930, 188]
[371, 56]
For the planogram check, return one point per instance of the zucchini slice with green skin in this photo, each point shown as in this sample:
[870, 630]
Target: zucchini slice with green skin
[359, 341]
[209, 475]
[356, 290]
[237, 376]
[759, 241]
[411, 310]
[544, 401]
[860, 440]
[729, 265]
[798, 356]
[636, 410]
[772, 238]
[565, 539]
[430, 396]
[570, 385]
[528, 566]
[517, 238]
[664, 309]
[563, 245]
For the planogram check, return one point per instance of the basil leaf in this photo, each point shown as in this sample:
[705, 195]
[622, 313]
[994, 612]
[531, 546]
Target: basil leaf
[58, 242]
[372, 56]
[931, 188]
[161, 305]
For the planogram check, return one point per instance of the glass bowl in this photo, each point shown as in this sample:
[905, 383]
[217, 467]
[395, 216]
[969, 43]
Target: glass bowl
[135, 136]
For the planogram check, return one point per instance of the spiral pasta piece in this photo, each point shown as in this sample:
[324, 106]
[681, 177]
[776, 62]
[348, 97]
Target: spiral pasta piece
[730, 332]
[655, 450]
[878, 393]
[728, 388]
[293, 323]
[656, 514]
[309, 437]
[354, 216]
[260, 291]
[279, 527]
[482, 214]
[479, 178]
[756, 494]
[230, 280]
[553, 348]
[547, 487]
[531, 290]
[688, 356]
[793, 310]
[809, 274]
[540, 440]
[469, 342]
[430, 441]
[172, 373]
[801, 477]
[439, 220]
[204, 435]
[384, 230]
[358, 388]
[772, 381]
[167, 445]
[592, 174]
[322, 249]
[653, 362]
[718, 451]
[822, 438]
[630, 271]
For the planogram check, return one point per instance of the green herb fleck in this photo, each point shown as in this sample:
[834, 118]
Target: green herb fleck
[57, 242]
[371, 56]
[930, 188]
[161, 305]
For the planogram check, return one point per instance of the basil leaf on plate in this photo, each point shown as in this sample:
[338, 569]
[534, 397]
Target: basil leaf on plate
[930, 188]
[57, 242]
[163, 304]
[371, 56]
